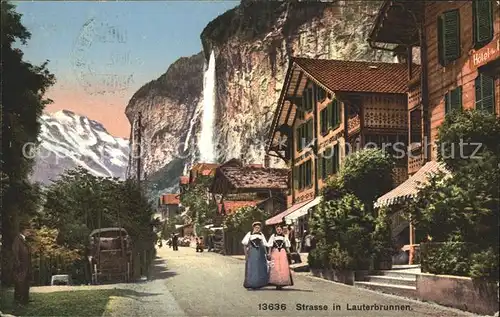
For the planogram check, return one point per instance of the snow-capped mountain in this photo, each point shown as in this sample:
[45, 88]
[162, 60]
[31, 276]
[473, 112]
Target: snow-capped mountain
[68, 140]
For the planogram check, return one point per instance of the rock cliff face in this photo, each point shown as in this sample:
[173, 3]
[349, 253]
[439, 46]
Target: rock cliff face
[167, 105]
[252, 44]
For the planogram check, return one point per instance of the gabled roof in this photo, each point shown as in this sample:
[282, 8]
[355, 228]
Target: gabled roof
[249, 177]
[230, 206]
[356, 76]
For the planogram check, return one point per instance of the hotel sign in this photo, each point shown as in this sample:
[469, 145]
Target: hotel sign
[485, 54]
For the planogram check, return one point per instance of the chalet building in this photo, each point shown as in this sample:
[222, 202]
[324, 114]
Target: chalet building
[459, 43]
[205, 169]
[236, 185]
[168, 206]
[327, 109]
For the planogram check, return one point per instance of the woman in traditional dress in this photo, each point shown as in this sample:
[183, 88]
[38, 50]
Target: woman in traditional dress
[256, 270]
[279, 274]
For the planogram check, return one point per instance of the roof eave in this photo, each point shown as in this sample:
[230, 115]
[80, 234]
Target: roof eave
[279, 107]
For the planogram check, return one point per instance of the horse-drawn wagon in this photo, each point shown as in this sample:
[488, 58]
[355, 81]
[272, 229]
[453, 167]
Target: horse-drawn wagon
[110, 255]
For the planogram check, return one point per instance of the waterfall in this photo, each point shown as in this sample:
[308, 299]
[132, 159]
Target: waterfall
[206, 143]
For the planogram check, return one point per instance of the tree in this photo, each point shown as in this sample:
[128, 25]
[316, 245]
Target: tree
[202, 209]
[350, 235]
[23, 89]
[462, 210]
[80, 202]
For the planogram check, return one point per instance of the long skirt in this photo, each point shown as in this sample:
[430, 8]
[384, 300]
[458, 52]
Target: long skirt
[279, 273]
[256, 273]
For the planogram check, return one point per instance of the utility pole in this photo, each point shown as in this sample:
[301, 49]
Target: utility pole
[138, 144]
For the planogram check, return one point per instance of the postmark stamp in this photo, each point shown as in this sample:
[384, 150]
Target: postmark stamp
[101, 58]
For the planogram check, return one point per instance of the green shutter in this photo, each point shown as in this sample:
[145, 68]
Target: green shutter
[336, 156]
[337, 113]
[309, 131]
[441, 40]
[483, 22]
[485, 93]
[320, 166]
[298, 137]
[456, 98]
[322, 121]
[447, 103]
[449, 29]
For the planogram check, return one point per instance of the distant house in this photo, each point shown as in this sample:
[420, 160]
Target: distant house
[205, 169]
[168, 206]
[236, 185]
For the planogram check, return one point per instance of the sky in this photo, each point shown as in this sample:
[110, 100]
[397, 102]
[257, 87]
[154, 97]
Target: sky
[102, 52]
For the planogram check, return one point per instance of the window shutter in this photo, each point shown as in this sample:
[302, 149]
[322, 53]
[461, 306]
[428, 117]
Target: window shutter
[298, 137]
[483, 22]
[456, 98]
[452, 35]
[336, 157]
[441, 40]
[485, 93]
[337, 111]
[447, 103]
[309, 131]
[320, 166]
[449, 36]
[329, 115]
[322, 121]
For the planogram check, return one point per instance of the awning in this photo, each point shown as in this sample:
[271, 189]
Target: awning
[303, 210]
[410, 187]
[279, 217]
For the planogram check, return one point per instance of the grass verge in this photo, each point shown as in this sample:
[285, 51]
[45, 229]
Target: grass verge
[63, 303]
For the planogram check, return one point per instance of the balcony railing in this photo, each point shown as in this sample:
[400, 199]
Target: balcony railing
[353, 124]
[399, 174]
[415, 159]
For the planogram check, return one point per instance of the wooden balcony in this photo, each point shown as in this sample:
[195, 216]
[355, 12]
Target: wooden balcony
[353, 124]
[414, 93]
[415, 159]
[399, 174]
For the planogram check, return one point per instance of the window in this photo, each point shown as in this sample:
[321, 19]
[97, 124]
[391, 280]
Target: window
[307, 99]
[453, 100]
[482, 12]
[303, 175]
[329, 162]
[449, 36]
[304, 134]
[485, 93]
[330, 117]
[320, 94]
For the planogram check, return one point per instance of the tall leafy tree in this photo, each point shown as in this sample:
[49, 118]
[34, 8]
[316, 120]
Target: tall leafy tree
[23, 89]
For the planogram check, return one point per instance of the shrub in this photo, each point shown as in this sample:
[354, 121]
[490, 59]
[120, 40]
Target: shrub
[367, 174]
[343, 229]
[470, 127]
[382, 245]
[484, 264]
[449, 258]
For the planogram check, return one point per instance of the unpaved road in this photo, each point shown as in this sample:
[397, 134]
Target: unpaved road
[186, 283]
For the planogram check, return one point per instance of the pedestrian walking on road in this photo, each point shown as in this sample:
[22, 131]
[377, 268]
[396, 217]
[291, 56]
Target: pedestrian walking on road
[256, 267]
[22, 265]
[175, 242]
[279, 272]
